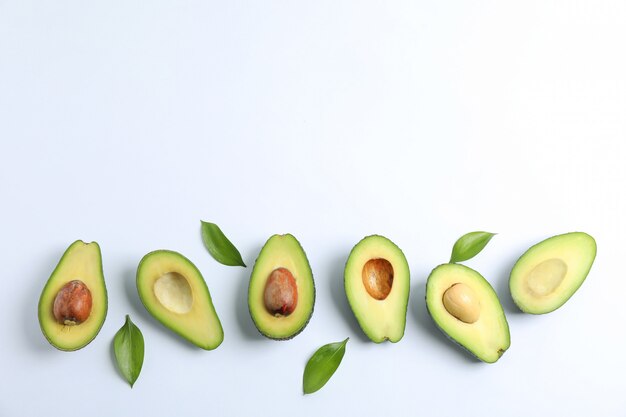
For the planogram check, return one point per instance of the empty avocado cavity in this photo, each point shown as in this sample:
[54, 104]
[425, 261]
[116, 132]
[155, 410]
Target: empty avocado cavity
[546, 277]
[174, 292]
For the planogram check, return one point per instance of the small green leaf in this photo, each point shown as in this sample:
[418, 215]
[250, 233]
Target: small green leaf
[470, 245]
[129, 348]
[220, 248]
[322, 366]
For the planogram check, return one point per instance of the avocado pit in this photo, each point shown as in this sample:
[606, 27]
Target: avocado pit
[377, 277]
[461, 302]
[72, 304]
[546, 277]
[281, 292]
[174, 292]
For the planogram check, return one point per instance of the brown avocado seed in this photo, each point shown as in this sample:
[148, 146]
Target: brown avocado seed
[72, 304]
[281, 292]
[377, 277]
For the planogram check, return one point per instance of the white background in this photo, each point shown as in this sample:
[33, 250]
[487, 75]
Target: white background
[126, 122]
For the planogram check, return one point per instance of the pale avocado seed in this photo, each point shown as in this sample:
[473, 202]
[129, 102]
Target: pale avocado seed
[461, 301]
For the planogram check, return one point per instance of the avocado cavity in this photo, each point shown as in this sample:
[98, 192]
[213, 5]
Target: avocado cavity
[174, 292]
[546, 276]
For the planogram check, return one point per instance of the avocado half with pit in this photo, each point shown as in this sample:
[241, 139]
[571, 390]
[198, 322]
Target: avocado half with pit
[281, 293]
[173, 291]
[550, 272]
[376, 280]
[73, 303]
[466, 308]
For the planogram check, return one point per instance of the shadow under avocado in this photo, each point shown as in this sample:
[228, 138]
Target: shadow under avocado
[242, 312]
[338, 295]
[30, 317]
[500, 284]
[130, 287]
[422, 317]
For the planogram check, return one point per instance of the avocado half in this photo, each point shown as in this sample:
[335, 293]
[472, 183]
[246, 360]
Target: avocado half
[550, 272]
[81, 262]
[173, 291]
[377, 281]
[466, 308]
[281, 308]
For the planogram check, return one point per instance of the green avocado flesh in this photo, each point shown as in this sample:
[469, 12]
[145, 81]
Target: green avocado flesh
[81, 261]
[376, 280]
[487, 336]
[551, 271]
[173, 291]
[281, 252]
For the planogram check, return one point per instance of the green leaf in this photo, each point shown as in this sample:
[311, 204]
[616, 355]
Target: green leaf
[220, 248]
[470, 245]
[322, 366]
[129, 348]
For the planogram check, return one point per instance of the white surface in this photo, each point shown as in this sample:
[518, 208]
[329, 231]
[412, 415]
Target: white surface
[127, 122]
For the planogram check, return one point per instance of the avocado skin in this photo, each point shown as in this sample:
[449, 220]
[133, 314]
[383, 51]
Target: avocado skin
[104, 291]
[406, 304]
[306, 322]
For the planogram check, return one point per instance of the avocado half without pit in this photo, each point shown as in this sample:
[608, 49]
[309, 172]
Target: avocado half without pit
[73, 303]
[550, 272]
[466, 308]
[376, 280]
[281, 293]
[173, 291]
